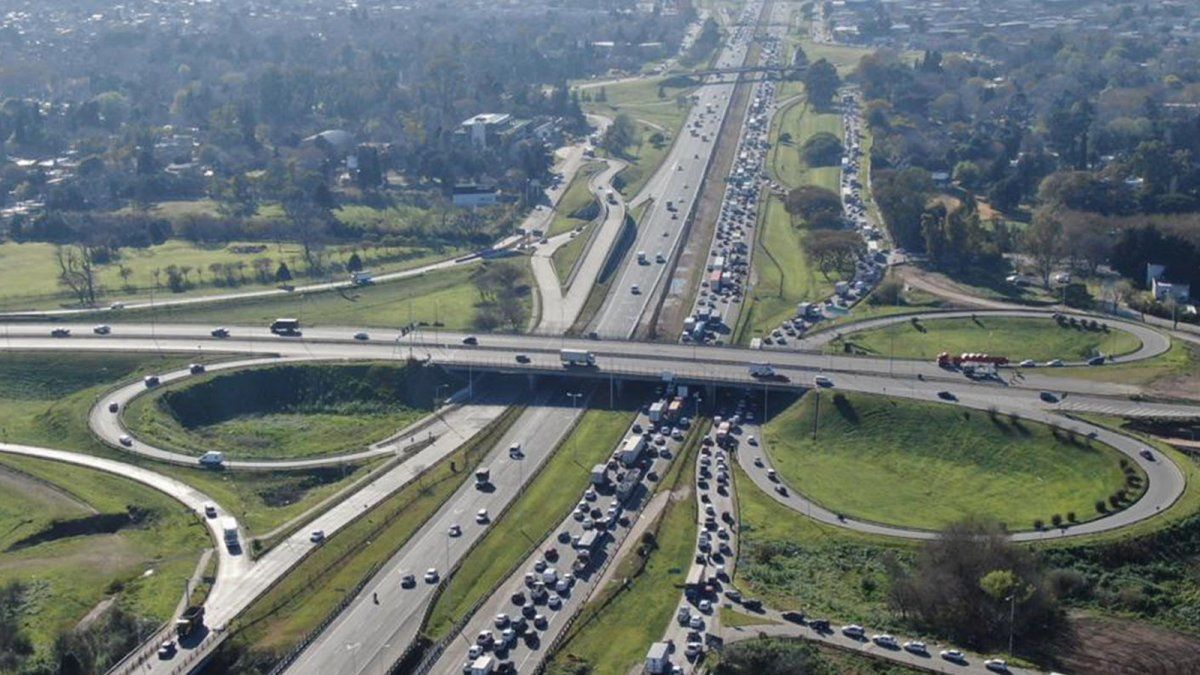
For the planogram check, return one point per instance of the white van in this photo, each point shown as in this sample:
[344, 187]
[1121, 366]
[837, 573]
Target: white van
[212, 459]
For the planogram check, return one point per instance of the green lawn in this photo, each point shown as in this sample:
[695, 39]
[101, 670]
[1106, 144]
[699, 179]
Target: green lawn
[1017, 338]
[276, 621]
[575, 201]
[142, 565]
[1181, 359]
[613, 636]
[445, 296]
[655, 115]
[926, 465]
[29, 277]
[44, 401]
[785, 276]
[568, 254]
[288, 412]
[548, 499]
[787, 165]
[791, 562]
[733, 619]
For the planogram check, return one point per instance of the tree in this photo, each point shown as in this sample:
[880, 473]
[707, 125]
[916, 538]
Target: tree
[817, 207]
[772, 657]
[1043, 242]
[960, 585]
[620, 134]
[77, 271]
[282, 273]
[821, 83]
[822, 149]
[834, 251]
[355, 263]
[901, 196]
[15, 645]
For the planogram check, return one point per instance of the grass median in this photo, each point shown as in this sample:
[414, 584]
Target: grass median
[543, 505]
[620, 622]
[276, 621]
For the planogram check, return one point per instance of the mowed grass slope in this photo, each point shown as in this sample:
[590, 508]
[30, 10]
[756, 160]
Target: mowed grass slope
[285, 412]
[45, 399]
[800, 121]
[784, 275]
[141, 564]
[1017, 338]
[574, 201]
[542, 506]
[926, 465]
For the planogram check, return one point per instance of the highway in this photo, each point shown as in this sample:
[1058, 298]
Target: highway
[109, 427]
[245, 580]
[677, 181]
[560, 309]
[369, 636]
[525, 654]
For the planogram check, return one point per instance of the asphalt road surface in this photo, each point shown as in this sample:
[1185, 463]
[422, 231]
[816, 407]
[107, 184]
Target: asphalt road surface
[369, 636]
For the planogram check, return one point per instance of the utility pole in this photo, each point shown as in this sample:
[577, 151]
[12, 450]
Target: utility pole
[816, 414]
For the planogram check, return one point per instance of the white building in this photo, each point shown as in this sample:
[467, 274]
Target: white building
[478, 127]
[473, 196]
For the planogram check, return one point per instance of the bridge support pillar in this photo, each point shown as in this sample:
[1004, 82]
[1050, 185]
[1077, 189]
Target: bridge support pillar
[710, 392]
[532, 379]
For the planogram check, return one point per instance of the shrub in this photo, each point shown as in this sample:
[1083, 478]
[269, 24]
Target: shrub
[1038, 524]
[1057, 520]
[1101, 507]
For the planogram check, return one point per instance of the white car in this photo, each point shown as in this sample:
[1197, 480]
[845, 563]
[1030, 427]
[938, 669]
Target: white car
[853, 631]
[635, 289]
[952, 655]
[916, 647]
[431, 575]
[482, 516]
[885, 641]
[997, 665]
[1028, 363]
[1054, 363]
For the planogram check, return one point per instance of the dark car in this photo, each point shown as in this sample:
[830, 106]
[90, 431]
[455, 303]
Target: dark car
[819, 625]
[470, 340]
[1097, 360]
[1048, 397]
[60, 332]
[521, 358]
[794, 617]
[947, 396]
[220, 333]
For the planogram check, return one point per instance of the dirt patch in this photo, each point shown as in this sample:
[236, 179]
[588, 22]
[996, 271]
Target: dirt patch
[96, 524]
[1112, 646]
[37, 490]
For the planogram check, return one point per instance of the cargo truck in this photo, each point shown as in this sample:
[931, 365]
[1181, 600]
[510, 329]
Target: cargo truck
[577, 357]
[285, 326]
[229, 527]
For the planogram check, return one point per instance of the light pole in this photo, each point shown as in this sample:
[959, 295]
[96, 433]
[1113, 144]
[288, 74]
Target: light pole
[1012, 619]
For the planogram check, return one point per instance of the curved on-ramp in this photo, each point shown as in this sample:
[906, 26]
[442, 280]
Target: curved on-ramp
[110, 428]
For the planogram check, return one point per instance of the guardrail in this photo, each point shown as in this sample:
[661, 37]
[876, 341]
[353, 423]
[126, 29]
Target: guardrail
[436, 651]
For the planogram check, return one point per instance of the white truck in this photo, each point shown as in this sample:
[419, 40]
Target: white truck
[362, 278]
[483, 477]
[484, 665]
[229, 526]
[762, 370]
[577, 357]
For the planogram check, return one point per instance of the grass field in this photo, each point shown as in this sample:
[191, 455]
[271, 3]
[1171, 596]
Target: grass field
[446, 296]
[284, 413]
[654, 115]
[44, 401]
[568, 254]
[926, 465]
[1180, 360]
[614, 631]
[1017, 338]
[787, 165]
[792, 562]
[291, 609]
[574, 201]
[785, 276]
[29, 273]
[548, 499]
[143, 566]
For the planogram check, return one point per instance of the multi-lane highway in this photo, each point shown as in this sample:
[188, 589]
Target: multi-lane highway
[601, 504]
[672, 193]
[376, 629]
